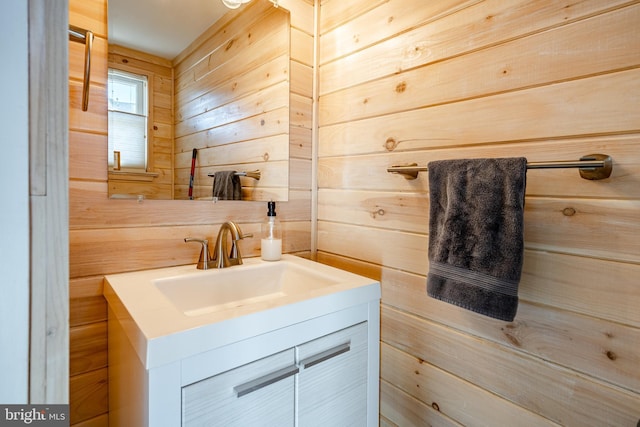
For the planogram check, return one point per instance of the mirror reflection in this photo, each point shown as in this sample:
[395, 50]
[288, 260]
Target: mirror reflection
[210, 121]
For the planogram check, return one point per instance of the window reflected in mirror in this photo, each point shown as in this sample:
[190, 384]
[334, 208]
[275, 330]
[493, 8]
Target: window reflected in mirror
[128, 100]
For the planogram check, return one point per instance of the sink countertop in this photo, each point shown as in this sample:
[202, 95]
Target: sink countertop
[161, 333]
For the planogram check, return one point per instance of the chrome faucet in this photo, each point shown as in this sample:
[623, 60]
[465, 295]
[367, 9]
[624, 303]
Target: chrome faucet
[221, 257]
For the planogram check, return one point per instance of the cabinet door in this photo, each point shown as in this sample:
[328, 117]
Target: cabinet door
[260, 393]
[332, 383]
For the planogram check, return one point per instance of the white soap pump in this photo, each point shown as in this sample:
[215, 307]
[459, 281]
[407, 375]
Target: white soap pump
[271, 242]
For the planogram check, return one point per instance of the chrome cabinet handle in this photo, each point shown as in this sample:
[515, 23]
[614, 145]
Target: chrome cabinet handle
[274, 377]
[325, 355]
[258, 383]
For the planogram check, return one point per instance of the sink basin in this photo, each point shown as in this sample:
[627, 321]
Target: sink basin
[176, 312]
[202, 292]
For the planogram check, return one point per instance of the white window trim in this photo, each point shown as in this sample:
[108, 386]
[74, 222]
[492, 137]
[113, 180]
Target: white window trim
[122, 173]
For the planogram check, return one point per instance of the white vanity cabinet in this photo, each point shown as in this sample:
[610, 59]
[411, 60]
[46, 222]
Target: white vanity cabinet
[309, 359]
[323, 371]
[258, 393]
[319, 383]
[332, 383]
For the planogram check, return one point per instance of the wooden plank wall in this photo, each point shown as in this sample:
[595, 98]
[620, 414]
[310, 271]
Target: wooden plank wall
[232, 104]
[111, 236]
[88, 391]
[414, 81]
[159, 72]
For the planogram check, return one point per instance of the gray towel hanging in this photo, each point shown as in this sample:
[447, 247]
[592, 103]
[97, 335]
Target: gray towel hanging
[226, 186]
[476, 241]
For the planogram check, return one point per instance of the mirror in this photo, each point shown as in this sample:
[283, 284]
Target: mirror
[220, 104]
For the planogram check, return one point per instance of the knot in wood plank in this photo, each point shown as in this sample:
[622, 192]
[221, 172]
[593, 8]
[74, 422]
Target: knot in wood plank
[390, 144]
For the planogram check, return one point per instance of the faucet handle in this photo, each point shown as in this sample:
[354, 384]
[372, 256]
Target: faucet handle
[234, 256]
[203, 261]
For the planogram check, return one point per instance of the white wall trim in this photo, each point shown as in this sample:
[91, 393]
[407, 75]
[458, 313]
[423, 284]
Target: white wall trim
[14, 216]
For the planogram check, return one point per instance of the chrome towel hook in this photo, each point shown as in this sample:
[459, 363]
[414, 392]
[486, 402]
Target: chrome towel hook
[80, 35]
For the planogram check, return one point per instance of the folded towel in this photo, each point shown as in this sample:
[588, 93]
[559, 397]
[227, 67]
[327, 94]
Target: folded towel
[476, 240]
[226, 186]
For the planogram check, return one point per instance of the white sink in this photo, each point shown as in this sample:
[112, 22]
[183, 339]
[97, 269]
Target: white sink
[201, 292]
[171, 313]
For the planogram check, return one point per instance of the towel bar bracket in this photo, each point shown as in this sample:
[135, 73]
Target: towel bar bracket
[409, 171]
[597, 172]
[592, 167]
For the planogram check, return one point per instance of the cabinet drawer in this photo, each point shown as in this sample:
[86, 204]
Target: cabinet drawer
[332, 383]
[260, 393]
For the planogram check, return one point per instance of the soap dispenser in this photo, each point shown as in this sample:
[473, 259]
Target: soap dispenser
[271, 243]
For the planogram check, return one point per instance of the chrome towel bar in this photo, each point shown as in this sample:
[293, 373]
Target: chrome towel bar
[80, 35]
[592, 166]
[253, 174]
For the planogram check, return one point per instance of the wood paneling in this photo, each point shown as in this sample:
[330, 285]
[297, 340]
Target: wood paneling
[414, 91]
[86, 150]
[90, 15]
[604, 349]
[541, 387]
[401, 409]
[89, 394]
[235, 77]
[404, 82]
[481, 408]
[87, 164]
[111, 236]
[87, 310]
[90, 348]
[547, 225]
[492, 21]
[113, 250]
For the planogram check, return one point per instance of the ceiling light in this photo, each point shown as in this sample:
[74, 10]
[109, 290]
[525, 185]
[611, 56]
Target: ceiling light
[234, 4]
